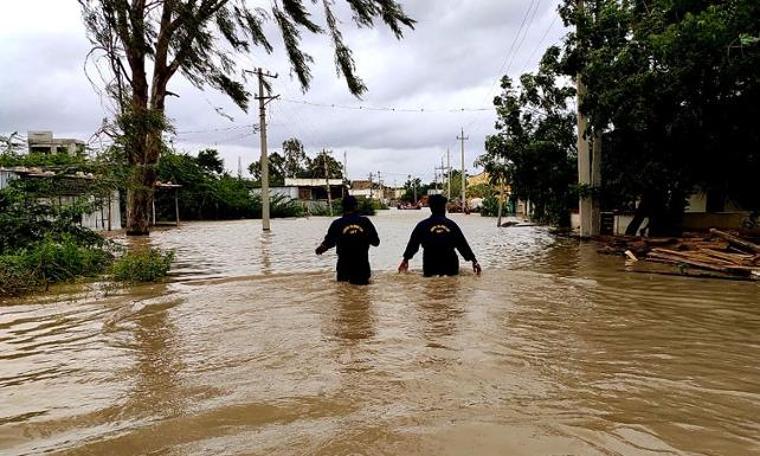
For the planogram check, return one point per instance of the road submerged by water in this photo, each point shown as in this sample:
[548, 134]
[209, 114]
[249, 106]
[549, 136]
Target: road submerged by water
[252, 348]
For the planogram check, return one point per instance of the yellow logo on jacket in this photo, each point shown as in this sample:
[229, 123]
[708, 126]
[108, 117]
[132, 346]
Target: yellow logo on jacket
[353, 230]
[440, 229]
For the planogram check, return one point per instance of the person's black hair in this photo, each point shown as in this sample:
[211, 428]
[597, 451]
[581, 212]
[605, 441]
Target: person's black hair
[349, 203]
[437, 204]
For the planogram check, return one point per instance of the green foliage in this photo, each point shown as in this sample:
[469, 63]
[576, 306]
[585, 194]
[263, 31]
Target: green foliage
[42, 242]
[480, 191]
[674, 87]
[144, 265]
[491, 206]
[51, 260]
[277, 172]
[25, 220]
[280, 207]
[324, 161]
[368, 206]
[415, 185]
[209, 160]
[293, 162]
[535, 147]
[59, 160]
[143, 45]
[205, 195]
[294, 158]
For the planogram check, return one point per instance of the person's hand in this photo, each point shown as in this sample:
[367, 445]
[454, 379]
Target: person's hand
[476, 268]
[321, 249]
[404, 266]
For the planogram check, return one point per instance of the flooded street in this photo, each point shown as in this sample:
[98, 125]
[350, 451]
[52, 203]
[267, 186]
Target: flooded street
[252, 348]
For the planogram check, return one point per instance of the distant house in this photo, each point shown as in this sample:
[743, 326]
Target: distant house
[365, 189]
[106, 215]
[478, 179]
[374, 190]
[703, 211]
[43, 142]
[311, 191]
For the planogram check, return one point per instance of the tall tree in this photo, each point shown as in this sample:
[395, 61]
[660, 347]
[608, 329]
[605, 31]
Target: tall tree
[209, 159]
[147, 42]
[277, 171]
[535, 141]
[295, 158]
[675, 86]
[325, 160]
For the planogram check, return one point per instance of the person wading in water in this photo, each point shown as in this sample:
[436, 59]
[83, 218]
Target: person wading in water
[439, 236]
[352, 234]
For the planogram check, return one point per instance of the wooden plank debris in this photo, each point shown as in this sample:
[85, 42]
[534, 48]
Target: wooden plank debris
[727, 254]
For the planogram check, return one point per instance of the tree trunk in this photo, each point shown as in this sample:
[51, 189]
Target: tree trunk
[139, 200]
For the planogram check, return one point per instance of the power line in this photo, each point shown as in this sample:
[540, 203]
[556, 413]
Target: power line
[385, 108]
[211, 130]
[543, 38]
[525, 35]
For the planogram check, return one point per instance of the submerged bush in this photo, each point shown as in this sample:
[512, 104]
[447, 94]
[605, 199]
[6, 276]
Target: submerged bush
[50, 261]
[144, 265]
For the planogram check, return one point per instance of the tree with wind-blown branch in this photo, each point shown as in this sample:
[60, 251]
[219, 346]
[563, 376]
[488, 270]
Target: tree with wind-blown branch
[145, 43]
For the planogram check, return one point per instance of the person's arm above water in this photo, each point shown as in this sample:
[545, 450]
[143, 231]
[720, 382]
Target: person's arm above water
[463, 246]
[372, 237]
[411, 248]
[330, 239]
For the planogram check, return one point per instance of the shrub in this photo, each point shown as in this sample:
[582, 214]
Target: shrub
[144, 265]
[491, 207]
[47, 262]
[282, 207]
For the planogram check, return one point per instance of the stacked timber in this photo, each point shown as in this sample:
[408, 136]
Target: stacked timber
[719, 252]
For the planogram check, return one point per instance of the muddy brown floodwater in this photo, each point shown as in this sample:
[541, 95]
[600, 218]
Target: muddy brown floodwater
[252, 348]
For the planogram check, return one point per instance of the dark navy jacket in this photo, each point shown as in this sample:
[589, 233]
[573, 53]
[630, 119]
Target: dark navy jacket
[439, 237]
[352, 234]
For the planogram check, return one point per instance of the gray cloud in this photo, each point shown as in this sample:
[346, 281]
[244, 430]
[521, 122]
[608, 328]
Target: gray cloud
[452, 60]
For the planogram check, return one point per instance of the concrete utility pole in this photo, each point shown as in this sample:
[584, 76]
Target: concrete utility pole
[370, 185]
[442, 176]
[345, 166]
[263, 101]
[596, 183]
[448, 166]
[327, 181]
[587, 206]
[463, 138]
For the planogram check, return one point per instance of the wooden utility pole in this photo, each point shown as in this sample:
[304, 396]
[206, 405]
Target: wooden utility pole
[463, 138]
[263, 101]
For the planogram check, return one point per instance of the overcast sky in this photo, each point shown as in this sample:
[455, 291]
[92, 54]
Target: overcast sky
[451, 61]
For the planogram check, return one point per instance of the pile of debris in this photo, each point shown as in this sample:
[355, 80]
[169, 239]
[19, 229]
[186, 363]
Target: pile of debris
[726, 254]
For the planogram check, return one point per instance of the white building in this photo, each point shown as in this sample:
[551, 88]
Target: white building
[43, 142]
[106, 214]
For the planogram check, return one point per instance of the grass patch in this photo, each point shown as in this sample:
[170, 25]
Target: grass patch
[144, 265]
[50, 261]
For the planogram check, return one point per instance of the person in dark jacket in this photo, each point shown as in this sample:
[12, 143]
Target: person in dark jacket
[439, 237]
[352, 234]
